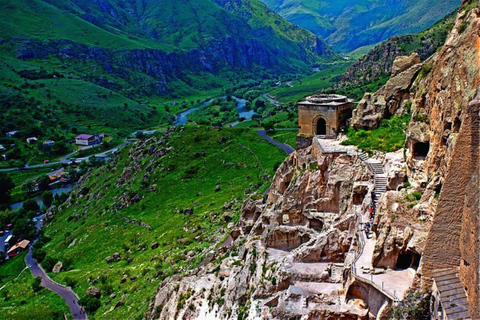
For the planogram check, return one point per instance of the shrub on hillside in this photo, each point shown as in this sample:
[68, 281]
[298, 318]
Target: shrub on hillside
[37, 284]
[90, 303]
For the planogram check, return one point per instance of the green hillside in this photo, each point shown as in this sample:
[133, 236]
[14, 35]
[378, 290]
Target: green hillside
[348, 25]
[178, 191]
[20, 301]
[372, 70]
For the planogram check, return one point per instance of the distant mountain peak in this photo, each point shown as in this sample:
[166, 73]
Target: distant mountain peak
[348, 25]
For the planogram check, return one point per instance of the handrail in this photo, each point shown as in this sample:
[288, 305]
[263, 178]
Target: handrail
[393, 297]
[358, 254]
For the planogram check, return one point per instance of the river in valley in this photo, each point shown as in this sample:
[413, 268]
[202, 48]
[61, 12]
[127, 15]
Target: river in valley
[62, 189]
[241, 107]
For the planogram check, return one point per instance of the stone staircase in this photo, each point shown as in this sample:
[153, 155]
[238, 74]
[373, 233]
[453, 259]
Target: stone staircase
[380, 178]
[452, 294]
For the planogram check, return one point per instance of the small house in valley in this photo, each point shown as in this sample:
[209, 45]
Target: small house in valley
[17, 248]
[48, 143]
[57, 174]
[85, 140]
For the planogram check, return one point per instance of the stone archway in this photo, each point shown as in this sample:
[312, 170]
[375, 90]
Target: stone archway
[321, 127]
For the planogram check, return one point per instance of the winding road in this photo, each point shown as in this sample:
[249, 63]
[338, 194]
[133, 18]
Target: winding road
[285, 147]
[65, 292]
[66, 159]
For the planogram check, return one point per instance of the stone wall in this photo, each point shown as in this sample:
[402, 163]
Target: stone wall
[308, 118]
[303, 142]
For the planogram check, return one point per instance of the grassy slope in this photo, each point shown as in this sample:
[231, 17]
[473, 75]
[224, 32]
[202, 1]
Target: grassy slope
[92, 99]
[288, 137]
[234, 159]
[389, 137]
[304, 13]
[19, 301]
[219, 112]
[65, 106]
[42, 20]
[304, 87]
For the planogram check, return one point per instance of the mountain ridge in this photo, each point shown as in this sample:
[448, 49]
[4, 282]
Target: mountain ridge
[225, 36]
[369, 22]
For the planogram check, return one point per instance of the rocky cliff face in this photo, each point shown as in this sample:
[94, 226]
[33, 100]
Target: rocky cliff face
[158, 68]
[391, 99]
[447, 100]
[287, 255]
[442, 96]
[441, 156]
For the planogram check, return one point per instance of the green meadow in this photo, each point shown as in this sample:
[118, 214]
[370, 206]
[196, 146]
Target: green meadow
[188, 198]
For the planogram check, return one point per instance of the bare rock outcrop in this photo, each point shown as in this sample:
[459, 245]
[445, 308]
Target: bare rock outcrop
[288, 254]
[389, 100]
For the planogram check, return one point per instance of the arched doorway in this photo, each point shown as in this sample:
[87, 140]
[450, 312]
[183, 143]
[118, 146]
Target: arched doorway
[321, 127]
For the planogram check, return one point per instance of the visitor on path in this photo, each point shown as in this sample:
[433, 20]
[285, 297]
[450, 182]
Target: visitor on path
[367, 229]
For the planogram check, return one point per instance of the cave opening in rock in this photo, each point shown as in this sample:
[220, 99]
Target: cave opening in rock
[456, 124]
[316, 224]
[359, 195]
[438, 189]
[408, 260]
[420, 150]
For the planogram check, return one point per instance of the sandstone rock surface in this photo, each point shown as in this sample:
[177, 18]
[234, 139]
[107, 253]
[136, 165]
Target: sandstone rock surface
[389, 100]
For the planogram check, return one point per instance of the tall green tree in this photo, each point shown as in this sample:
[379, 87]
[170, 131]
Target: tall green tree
[6, 187]
[47, 198]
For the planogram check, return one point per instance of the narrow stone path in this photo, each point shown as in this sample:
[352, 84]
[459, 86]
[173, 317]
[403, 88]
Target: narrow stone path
[285, 147]
[393, 282]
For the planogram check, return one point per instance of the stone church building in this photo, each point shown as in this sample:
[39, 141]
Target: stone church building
[324, 116]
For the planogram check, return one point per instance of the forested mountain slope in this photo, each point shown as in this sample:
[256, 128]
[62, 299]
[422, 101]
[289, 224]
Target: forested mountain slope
[158, 42]
[347, 25]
